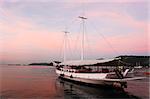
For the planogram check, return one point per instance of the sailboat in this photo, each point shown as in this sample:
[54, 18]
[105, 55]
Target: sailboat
[97, 72]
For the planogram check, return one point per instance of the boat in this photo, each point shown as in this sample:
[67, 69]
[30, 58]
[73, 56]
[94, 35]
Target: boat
[97, 72]
[138, 66]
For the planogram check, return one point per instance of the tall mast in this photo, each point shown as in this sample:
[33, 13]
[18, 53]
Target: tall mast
[65, 44]
[82, 42]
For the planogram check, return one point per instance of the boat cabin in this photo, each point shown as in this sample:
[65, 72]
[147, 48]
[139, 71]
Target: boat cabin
[87, 69]
[89, 66]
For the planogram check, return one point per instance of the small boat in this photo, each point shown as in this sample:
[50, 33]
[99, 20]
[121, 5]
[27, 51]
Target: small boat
[138, 66]
[98, 72]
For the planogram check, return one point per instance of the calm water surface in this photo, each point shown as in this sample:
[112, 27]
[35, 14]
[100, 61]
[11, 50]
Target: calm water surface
[41, 82]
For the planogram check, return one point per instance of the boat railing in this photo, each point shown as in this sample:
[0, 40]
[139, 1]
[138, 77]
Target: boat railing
[88, 69]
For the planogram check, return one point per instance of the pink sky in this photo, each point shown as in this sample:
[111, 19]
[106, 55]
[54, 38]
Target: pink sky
[31, 32]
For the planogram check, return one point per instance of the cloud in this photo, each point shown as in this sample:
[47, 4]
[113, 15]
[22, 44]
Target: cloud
[135, 41]
[21, 36]
[23, 29]
[79, 1]
[118, 18]
[106, 1]
[131, 44]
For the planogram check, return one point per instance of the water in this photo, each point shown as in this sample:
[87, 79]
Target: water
[41, 82]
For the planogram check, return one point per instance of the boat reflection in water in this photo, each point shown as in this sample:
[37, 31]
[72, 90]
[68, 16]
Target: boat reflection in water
[80, 91]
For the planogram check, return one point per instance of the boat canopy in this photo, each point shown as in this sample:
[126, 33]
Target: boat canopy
[86, 62]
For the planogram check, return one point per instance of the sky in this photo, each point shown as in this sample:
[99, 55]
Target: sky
[32, 30]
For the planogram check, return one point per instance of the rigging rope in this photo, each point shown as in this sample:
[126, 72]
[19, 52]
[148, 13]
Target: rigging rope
[87, 39]
[61, 48]
[69, 47]
[77, 39]
[109, 44]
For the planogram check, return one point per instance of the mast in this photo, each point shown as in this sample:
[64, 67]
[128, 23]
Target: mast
[82, 42]
[65, 44]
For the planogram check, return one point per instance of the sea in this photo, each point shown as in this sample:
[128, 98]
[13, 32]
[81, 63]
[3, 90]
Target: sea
[41, 82]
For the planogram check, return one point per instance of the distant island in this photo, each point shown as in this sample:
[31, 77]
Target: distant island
[45, 64]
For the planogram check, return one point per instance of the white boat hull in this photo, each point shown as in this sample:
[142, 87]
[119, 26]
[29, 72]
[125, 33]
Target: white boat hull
[90, 78]
[95, 78]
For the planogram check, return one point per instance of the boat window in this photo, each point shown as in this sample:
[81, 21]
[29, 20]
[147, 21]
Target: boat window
[105, 70]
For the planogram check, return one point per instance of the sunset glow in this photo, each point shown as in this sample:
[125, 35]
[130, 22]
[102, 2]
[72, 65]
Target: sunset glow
[32, 31]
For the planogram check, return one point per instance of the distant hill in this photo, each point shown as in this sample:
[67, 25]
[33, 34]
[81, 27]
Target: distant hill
[125, 60]
[135, 60]
[45, 64]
